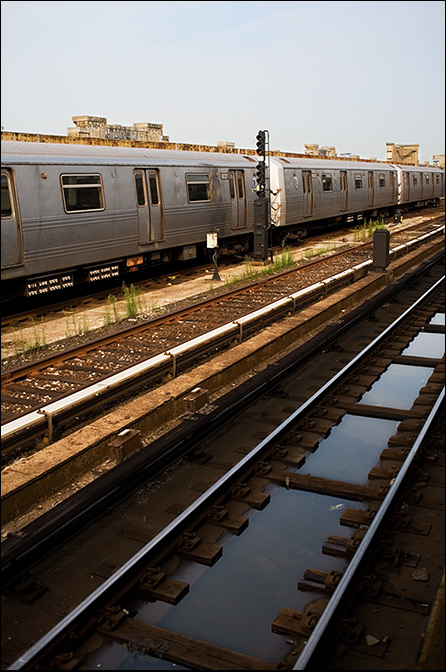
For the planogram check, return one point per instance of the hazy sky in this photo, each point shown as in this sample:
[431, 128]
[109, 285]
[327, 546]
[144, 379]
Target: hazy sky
[353, 75]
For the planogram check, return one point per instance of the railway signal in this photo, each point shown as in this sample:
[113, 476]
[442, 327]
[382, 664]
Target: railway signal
[261, 175]
[262, 220]
[261, 143]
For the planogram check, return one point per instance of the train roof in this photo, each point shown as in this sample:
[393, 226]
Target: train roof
[16, 152]
[32, 153]
[340, 164]
[317, 163]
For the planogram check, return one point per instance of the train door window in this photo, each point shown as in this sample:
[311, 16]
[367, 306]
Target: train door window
[140, 189]
[6, 197]
[427, 179]
[381, 180]
[358, 181]
[437, 179]
[327, 182]
[240, 185]
[344, 189]
[307, 183]
[392, 182]
[153, 189]
[82, 193]
[231, 185]
[198, 187]
[415, 180]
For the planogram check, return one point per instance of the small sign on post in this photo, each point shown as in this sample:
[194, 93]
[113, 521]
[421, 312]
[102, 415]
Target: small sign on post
[212, 244]
[212, 240]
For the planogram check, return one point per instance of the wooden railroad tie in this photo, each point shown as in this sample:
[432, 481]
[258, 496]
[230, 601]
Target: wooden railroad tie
[144, 638]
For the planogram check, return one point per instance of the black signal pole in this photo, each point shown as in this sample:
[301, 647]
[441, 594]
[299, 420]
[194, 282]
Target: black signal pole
[262, 202]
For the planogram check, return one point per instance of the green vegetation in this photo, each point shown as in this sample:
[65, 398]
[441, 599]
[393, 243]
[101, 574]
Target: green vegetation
[22, 347]
[366, 231]
[281, 261]
[134, 301]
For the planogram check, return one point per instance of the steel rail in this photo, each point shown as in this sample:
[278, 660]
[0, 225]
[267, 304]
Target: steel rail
[316, 647]
[93, 603]
[31, 424]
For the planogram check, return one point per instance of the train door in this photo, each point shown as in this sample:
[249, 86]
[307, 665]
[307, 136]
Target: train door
[392, 183]
[344, 190]
[370, 189]
[307, 182]
[11, 238]
[428, 185]
[238, 198]
[406, 187]
[150, 210]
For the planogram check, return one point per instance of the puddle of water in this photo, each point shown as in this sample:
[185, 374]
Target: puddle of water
[234, 603]
[426, 345]
[438, 318]
[115, 656]
[351, 449]
[398, 387]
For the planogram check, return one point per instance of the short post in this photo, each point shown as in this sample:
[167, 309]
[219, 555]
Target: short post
[381, 246]
[397, 217]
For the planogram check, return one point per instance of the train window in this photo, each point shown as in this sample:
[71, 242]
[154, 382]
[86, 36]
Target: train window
[140, 190]
[327, 182]
[415, 180]
[427, 179]
[6, 197]
[437, 179]
[358, 181]
[82, 192]
[153, 189]
[241, 191]
[382, 180]
[231, 185]
[198, 187]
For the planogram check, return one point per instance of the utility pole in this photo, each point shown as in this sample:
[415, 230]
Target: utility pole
[262, 211]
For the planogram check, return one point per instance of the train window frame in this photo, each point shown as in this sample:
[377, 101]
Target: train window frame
[231, 185]
[358, 181]
[437, 179]
[79, 187]
[427, 179]
[195, 183]
[138, 192]
[9, 195]
[240, 185]
[327, 182]
[153, 192]
[381, 180]
[415, 180]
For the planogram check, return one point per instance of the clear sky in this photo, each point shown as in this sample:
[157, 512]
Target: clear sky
[353, 75]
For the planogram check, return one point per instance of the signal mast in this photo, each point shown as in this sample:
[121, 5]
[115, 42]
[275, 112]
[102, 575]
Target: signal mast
[262, 203]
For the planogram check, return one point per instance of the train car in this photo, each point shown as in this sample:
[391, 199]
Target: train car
[80, 213]
[420, 185]
[74, 213]
[317, 190]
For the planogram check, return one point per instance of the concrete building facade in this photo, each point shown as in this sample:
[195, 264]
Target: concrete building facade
[96, 127]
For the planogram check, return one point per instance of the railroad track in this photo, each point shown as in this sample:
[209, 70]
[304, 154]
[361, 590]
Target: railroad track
[284, 484]
[35, 396]
[47, 312]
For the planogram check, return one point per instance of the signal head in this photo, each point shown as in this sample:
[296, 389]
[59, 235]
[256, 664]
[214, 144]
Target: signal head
[261, 143]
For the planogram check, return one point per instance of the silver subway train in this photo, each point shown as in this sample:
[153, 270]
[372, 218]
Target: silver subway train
[77, 213]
